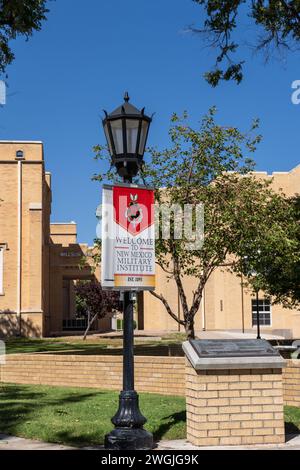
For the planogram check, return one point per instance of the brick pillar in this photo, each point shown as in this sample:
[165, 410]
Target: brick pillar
[291, 383]
[233, 407]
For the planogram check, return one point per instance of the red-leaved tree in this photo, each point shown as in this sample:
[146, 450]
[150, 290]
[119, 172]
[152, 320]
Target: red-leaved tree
[94, 302]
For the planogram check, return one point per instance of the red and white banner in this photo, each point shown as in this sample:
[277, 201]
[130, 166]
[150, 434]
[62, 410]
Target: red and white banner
[128, 238]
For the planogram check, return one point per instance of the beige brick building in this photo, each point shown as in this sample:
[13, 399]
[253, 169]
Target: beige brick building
[39, 263]
[227, 305]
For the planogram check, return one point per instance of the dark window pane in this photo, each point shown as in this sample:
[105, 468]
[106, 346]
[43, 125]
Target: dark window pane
[144, 131]
[264, 308]
[132, 126]
[117, 132]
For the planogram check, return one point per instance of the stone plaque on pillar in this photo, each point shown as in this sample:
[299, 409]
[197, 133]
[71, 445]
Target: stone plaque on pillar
[215, 354]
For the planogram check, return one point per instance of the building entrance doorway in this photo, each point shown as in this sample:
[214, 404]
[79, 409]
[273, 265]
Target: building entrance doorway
[74, 316]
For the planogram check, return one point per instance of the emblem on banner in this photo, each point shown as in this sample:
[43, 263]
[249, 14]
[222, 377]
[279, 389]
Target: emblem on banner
[134, 212]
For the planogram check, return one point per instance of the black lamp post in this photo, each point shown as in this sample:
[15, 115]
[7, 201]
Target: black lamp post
[126, 130]
[257, 316]
[253, 274]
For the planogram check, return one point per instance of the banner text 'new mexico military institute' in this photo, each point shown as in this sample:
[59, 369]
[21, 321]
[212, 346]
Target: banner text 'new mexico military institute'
[128, 238]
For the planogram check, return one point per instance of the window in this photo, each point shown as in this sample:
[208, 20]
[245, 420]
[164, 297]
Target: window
[264, 307]
[1, 269]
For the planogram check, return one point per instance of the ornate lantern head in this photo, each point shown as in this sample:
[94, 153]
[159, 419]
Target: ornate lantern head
[126, 130]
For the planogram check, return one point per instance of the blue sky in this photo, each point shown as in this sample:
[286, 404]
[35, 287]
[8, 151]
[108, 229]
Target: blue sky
[89, 53]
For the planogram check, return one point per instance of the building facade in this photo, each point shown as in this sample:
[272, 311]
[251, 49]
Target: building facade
[40, 262]
[227, 304]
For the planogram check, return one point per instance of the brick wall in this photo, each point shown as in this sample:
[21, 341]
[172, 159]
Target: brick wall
[165, 375]
[291, 383]
[233, 407]
[155, 374]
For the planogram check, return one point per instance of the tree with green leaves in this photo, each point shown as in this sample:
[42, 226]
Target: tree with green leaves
[226, 26]
[212, 166]
[276, 271]
[18, 18]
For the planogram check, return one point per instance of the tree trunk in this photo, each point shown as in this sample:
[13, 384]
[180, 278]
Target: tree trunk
[189, 329]
[90, 322]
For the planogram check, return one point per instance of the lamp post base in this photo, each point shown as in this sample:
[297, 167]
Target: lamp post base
[129, 439]
[129, 433]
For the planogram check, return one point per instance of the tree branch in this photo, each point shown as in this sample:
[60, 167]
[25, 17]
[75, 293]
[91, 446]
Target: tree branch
[167, 307]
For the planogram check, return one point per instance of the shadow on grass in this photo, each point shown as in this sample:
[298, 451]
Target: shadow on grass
[291, 430]
[74, 417]
[23, 345]
[82, 417]
[16, 404]
[22, 413]
[19, 392]
[139, 350]
[170, 421]
[81, 440]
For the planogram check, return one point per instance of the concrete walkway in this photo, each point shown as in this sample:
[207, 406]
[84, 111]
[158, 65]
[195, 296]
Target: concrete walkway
[292, 443]
[18, 443]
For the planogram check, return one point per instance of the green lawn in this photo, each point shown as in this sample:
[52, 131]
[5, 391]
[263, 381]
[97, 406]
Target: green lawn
[71, 345]
[292, 419]
[80, 416]
[25, 345]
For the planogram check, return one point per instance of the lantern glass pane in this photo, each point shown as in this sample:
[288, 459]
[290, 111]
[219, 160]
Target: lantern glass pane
[144, 131]
[117, 132]
[108, 139]
[132, 127]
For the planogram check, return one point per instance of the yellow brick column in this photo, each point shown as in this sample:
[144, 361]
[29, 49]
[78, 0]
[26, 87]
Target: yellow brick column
[234, 406]
[291, 383]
